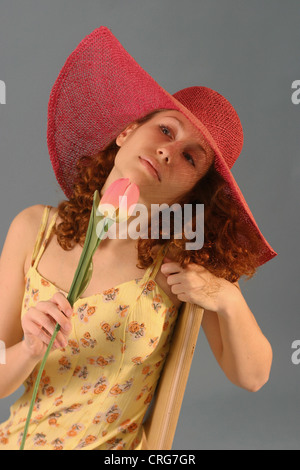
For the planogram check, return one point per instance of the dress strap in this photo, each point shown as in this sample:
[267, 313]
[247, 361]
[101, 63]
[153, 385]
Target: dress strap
[152, 270]
[39, 246]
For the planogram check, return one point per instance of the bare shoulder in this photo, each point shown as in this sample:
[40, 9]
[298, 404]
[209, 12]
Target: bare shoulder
[24, 224]
[28, 221]
[23, 231]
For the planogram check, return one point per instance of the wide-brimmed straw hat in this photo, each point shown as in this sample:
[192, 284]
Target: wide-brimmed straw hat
[101, 89]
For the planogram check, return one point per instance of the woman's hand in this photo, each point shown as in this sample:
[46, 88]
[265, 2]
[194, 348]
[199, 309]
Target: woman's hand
[197, 285]
[39, 322]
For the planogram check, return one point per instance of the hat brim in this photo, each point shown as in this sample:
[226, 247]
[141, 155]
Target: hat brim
[99, 91]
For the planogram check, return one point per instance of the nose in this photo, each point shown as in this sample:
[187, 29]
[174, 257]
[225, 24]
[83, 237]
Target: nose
[163, 153]
[167, 152]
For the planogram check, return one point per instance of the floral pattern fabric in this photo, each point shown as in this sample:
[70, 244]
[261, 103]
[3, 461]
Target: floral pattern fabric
[94, 393]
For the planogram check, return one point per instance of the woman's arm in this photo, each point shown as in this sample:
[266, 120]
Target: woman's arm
[12, 284]
[238, 344]
[23, 354]
[19, 363]
[241, 349]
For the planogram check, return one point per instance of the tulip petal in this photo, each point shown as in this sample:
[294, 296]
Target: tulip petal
[117, 188]
[117, 198]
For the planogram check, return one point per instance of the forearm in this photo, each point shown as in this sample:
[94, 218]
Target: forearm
[236, 340]
[246, 356]
[18, 366]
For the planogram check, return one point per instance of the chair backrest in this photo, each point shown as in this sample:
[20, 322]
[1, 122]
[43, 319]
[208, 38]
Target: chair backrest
[160, 427]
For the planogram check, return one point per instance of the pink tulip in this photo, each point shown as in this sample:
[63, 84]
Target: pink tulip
[119, 200]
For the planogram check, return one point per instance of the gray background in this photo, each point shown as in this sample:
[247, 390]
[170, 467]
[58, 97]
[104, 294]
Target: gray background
[249, 52]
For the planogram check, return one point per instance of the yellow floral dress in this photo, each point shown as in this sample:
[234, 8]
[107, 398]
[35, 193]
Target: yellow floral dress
[94, 393]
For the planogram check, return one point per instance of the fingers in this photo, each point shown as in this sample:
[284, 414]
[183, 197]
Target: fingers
[42, 325]
[54, 312]
[168, 268]
[63, 303]
[174, 279]
[40, 321]
[38, 331]
[180, 279]
[177, 289]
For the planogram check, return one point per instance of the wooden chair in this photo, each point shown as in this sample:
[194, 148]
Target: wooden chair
[160, 426]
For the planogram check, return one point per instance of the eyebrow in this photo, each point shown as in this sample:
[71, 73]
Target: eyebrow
[182, 127]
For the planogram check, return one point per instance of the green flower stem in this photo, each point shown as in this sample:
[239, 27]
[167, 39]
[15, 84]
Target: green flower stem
[80, 282]
[37, 383]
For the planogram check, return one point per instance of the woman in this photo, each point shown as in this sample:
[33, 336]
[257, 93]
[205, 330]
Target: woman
[101, 375]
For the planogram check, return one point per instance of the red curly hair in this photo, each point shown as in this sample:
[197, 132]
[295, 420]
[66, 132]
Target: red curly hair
[221, 254]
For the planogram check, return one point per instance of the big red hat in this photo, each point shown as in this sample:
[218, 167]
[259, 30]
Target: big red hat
[101, 89]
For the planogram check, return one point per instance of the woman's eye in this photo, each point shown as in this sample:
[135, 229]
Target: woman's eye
[189, 158]
[165, 130]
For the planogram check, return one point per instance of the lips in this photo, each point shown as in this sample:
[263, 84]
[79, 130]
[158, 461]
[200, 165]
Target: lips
[151, 163]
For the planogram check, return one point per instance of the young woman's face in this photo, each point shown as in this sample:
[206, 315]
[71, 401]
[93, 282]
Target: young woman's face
[164, 156]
